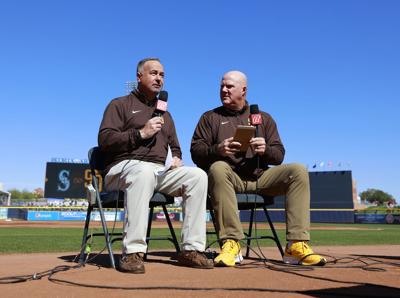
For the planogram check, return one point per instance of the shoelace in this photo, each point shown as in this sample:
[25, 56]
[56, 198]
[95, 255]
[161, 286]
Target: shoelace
[191, 255]
[196, 255]
[306, 247]
[133, 256]
[228, 246]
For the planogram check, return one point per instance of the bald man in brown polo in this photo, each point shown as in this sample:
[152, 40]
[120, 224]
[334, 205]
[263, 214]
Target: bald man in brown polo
[231, 171]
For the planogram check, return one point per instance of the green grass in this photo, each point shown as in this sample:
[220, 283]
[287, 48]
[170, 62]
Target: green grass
[370, 234]
[345, 234]
[30, 240]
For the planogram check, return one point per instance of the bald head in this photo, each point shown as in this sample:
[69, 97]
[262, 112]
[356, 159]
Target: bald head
[236, 76]
[233, 90]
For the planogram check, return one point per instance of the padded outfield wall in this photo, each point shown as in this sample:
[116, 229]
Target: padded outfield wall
[331, 199]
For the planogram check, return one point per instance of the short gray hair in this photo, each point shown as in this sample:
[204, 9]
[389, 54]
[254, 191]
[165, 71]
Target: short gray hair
[139, 67]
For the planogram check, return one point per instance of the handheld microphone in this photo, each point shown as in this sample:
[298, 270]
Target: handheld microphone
[161, 105]
[161, 108]
[255, 117]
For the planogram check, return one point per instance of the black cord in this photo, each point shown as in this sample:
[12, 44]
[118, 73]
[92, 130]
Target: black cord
[332, 262]
[282, 265]
[329, 292]
[40, 275]
[276, 266]
[290, 269]
[255, 204]
[36, 275]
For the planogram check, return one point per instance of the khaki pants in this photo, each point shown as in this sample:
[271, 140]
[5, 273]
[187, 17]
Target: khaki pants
[138, 180]
[290, 180]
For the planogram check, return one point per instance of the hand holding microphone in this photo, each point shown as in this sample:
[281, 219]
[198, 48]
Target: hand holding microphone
[151, 127]
[257, 143]
[161, 104]
[154, 125]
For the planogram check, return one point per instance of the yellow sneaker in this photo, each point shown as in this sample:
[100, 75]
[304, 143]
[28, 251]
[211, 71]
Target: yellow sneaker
[229, 255]
[300, 253]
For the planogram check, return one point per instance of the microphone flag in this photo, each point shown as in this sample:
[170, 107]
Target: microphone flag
[161, 105]
[255, 119]
[255, 116]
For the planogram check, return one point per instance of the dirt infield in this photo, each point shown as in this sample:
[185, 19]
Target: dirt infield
[346, 278]
[164, 278]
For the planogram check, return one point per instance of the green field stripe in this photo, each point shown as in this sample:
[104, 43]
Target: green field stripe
[39, 239]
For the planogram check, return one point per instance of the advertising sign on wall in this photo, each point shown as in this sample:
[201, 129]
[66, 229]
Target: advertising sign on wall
[3, 213]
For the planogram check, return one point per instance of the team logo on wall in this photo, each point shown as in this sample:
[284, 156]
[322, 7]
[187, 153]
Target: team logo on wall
[64, 183]
[66, 180]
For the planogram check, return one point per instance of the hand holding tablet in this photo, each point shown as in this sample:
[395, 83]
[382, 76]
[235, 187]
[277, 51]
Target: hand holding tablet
[243, 135]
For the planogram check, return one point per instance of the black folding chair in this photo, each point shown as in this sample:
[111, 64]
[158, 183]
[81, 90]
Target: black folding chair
[247, 201]
[115, 199]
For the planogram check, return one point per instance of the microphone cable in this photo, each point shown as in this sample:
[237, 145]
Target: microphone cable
[51, 276]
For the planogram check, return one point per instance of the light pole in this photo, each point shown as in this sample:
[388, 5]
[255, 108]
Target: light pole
[130, 86]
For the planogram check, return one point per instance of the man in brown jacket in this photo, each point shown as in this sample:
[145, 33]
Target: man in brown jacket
[135, 137]
[230, 171]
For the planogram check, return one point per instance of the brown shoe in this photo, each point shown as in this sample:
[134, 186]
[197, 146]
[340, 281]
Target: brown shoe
[194, 259]
[132, 263]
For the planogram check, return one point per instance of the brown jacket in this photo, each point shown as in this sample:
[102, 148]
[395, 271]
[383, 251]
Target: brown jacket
[219, 124]
[119, 136]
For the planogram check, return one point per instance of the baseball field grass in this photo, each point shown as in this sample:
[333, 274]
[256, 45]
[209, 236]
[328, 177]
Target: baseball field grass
[17, 240]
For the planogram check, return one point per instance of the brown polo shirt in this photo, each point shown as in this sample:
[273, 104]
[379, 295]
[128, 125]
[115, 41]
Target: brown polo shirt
[119, 137]
[219, 124]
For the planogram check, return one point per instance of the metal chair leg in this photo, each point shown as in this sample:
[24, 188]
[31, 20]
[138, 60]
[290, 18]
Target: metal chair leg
[171, 229]
[107, 238]
[85, 232]
[276, 239]
[214, 222]
[105, 230]
[150, 221]
[250, 233]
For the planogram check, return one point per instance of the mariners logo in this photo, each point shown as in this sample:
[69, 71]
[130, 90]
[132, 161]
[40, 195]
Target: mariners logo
[64, 183]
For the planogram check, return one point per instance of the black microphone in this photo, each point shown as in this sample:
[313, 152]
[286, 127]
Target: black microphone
[161, 105]
[255, 117]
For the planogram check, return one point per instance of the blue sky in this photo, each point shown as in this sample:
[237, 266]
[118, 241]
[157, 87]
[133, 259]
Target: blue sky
[327, 71]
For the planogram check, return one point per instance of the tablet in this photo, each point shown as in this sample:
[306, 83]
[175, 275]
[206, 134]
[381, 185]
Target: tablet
[243, 134]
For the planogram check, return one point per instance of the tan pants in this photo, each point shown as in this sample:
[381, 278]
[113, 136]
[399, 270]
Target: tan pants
[290, 180]
[139, 180]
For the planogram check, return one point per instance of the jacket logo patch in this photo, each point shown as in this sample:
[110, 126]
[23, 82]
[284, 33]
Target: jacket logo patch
[134, 112]
[224, 122]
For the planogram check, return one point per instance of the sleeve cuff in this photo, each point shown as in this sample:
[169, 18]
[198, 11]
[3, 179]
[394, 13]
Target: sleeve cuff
[213, 150]
[137, 138]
